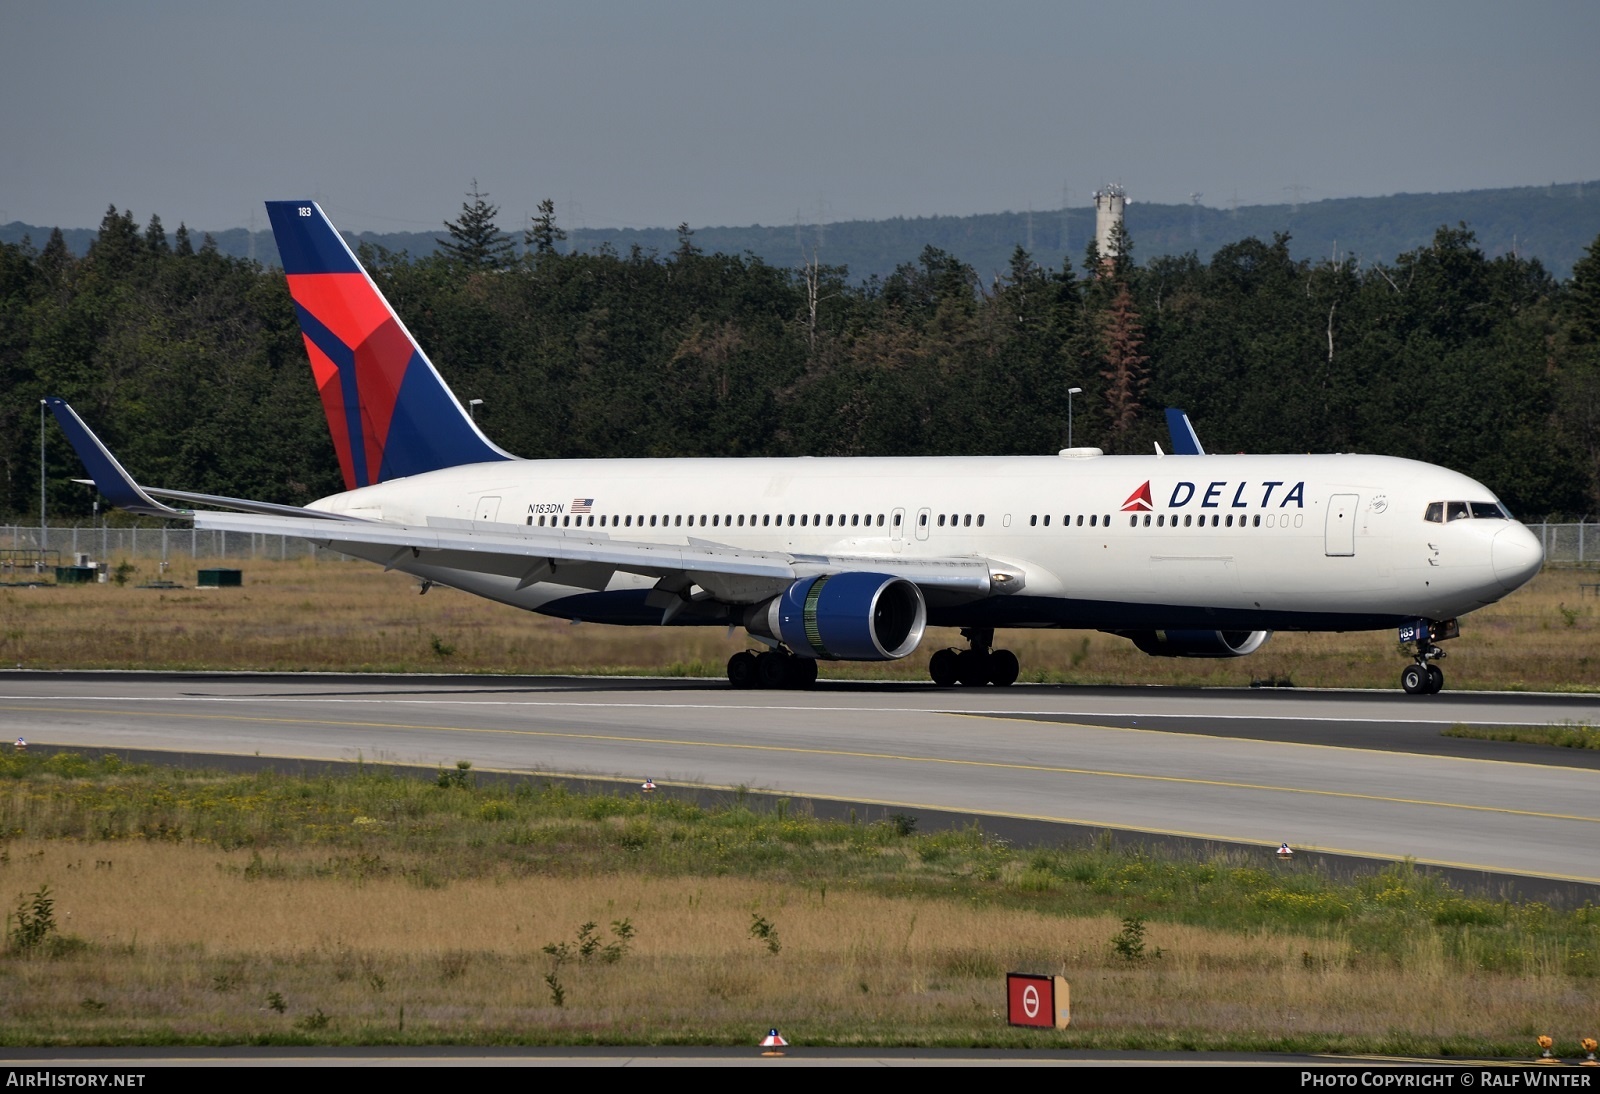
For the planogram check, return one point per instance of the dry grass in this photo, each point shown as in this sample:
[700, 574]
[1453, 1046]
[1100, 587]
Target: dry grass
[334, 615]
[188, 942]
[188, 902]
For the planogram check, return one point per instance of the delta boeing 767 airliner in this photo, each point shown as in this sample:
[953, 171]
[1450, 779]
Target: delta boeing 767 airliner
[851, 559]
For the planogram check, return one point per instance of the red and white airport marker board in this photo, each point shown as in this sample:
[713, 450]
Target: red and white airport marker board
[1041, 1001]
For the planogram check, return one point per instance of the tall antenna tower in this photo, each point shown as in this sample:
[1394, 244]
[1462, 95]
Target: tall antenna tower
[1109, 202]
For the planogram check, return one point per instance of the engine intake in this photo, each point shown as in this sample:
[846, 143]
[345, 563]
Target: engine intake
[844, 617]
[1197, 643]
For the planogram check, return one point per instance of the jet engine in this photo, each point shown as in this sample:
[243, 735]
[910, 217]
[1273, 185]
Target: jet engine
[844, 617]
[1197, 643]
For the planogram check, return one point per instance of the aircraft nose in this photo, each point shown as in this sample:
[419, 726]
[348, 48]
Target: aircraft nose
[1516, 556]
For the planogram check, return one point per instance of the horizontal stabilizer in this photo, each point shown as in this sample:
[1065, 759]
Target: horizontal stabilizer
[247, 505]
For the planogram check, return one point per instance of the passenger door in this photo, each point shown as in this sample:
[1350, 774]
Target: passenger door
[1339, 535]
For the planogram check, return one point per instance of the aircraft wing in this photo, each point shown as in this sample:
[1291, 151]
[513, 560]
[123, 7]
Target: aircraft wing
[587, 559]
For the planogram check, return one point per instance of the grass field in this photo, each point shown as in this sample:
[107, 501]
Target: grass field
[335, 615]
[189, 907]
[1556, 736]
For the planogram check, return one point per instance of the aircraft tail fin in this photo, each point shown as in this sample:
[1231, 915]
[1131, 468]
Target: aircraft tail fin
[388, 408]
[1185, 441]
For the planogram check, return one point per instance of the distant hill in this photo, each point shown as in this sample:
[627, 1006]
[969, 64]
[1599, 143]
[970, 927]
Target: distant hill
[1552, 223]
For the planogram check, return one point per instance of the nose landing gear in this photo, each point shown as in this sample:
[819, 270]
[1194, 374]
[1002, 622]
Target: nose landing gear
[1423, 677]
[975, 666]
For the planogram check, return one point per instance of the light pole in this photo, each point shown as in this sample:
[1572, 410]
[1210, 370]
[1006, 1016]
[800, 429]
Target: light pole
[1071, 391]
[41, 482]
[472, 408]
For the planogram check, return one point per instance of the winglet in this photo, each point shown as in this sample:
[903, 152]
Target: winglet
[110, 478]
[1185, 442]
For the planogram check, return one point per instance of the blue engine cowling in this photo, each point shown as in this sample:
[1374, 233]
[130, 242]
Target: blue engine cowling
[1197, 643]
[845, 617]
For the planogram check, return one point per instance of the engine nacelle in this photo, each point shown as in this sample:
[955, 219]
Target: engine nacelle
[1197, 643]
[844, 617]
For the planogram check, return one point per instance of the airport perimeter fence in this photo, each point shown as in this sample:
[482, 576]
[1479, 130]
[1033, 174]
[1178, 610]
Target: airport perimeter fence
[1564, 544]
[25, 547]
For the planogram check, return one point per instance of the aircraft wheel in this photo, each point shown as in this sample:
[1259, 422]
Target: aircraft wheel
[942, 667]
[1414, 678]
[742, 671]
[972, 668]
[1003, 668]
[1435, 679]
[772, 669]
[802, 672]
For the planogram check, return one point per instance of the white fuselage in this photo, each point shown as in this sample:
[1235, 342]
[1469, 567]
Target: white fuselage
[1277, 541]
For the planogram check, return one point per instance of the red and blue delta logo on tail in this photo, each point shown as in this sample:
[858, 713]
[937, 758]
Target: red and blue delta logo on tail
[388, 409]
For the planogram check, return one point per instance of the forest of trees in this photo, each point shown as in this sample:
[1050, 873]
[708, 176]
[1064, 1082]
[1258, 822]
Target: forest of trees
[190, 365]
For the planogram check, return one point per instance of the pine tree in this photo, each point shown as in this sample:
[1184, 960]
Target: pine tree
[686, 244]
[117, 246]
[155, 236]
[185, 246]
[1582, 306]
[475, 240]
[1125, 372]
[54, 259]
[543, 235]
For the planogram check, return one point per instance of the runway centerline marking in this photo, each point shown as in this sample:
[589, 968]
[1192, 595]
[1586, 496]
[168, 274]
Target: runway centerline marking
[1079, 719]
[846, 753]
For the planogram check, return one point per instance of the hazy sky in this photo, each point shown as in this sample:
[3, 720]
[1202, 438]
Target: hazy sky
[710, 112]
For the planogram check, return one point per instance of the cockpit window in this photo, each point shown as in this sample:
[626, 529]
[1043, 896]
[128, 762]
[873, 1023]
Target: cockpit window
[1438, 512]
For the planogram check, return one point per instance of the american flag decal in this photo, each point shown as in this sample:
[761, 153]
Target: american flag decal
[582, 505]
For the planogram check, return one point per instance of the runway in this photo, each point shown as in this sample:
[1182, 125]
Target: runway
[1354, 773]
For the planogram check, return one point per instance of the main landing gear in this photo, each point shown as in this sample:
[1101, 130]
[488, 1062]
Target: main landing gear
[978, 665]
[771, 669]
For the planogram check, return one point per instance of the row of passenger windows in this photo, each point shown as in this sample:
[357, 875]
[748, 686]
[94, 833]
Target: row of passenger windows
[1136, 520]
[943, 520]
[1066, 521]
[718, 520]
[1438, 512]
